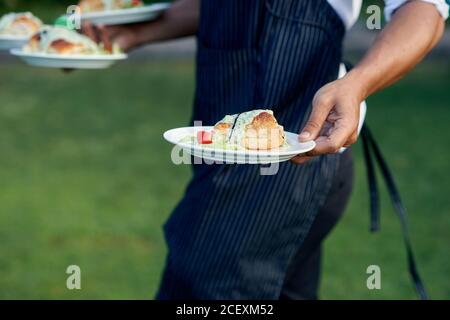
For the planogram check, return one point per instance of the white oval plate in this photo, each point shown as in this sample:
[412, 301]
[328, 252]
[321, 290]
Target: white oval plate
[12, 42]
[124, 16]
[238, 156]
[68, 61]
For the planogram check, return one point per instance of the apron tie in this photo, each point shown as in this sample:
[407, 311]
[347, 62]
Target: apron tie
[372, 152]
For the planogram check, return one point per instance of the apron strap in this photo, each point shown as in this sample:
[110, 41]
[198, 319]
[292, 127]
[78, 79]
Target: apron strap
[374, 195]
[371, 148]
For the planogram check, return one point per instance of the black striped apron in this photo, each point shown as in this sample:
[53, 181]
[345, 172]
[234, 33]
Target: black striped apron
[234, 232]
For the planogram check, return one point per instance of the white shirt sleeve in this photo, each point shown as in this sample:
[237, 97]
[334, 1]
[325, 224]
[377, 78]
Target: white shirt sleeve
[392, 5]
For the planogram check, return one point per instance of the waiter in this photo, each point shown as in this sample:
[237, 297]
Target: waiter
[237, 234]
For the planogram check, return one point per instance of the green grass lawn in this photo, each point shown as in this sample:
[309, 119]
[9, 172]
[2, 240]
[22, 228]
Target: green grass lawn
[86, 179]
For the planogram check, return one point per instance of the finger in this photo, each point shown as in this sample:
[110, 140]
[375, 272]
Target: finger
[300, 159]
[352, 140]
[89, 31]
[354, 136]
[333, 142]
[105, 39]
[320, 110]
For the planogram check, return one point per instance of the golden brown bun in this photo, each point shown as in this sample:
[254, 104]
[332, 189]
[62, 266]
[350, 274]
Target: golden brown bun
[61, 46]
[25, 25]
[263, 133]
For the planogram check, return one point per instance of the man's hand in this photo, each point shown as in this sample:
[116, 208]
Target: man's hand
[180, 20]
[125, 36]
[334, 119]
[415, 29]
[122, 35]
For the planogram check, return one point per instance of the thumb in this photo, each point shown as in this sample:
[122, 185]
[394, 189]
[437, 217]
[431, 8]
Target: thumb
[320, 110]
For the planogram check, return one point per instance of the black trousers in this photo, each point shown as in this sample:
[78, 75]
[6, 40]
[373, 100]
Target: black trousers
[303, 276]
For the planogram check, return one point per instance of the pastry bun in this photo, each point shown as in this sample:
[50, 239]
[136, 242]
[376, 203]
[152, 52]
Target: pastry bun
[263, 133]
[60, 40]
[20, 24]
[253, 130]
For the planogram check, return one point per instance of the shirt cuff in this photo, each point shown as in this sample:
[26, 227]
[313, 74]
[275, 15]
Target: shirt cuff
[393, 5]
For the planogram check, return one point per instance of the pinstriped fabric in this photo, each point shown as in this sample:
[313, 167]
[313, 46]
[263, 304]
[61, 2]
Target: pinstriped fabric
[234, 232]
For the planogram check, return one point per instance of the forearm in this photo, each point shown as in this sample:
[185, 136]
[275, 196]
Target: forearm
[413, 31]
[179, 21]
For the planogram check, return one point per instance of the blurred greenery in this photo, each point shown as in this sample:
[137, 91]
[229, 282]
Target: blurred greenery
[86, 179]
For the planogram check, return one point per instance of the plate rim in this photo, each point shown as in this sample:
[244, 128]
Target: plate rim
[113, 57]
[152, 8]
[264, 153]
[7, 37]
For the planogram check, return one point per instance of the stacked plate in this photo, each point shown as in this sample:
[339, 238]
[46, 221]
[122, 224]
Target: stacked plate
[114, 17]
[125, 16]
[8, 42]
[68, 61]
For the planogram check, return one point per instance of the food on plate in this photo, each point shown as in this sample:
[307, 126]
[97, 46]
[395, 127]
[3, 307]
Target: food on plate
[108, 5]
[19, 24]
[252, 130]
[204, 137]
[63, 41]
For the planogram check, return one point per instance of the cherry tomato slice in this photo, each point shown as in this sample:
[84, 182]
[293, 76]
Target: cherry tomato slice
[204, 137]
